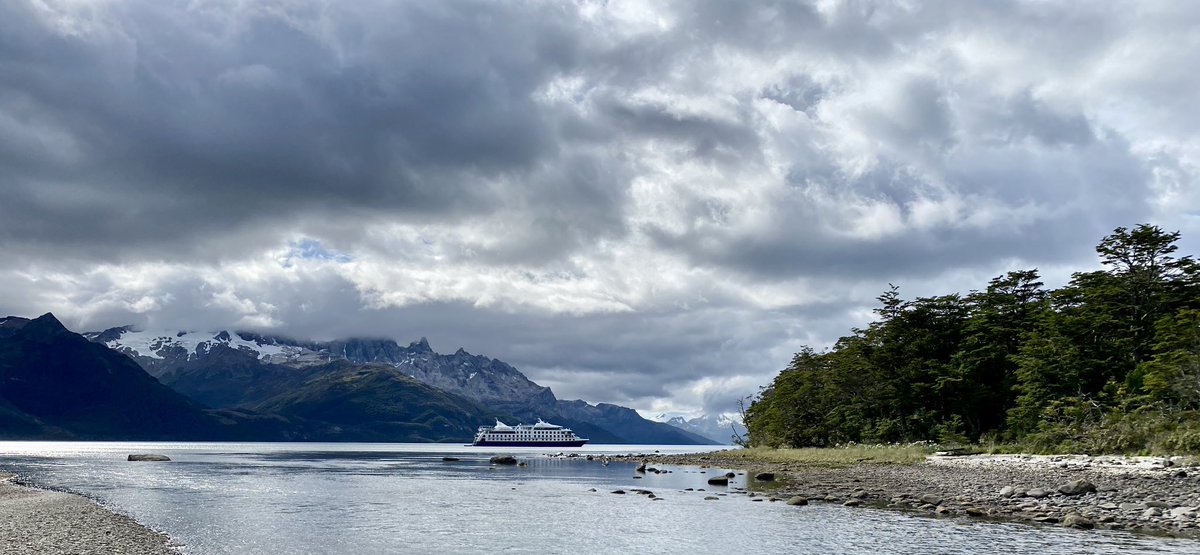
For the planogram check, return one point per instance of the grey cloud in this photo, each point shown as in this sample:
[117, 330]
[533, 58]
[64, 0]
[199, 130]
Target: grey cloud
[194, 122]
[1071, 201]
[190, 137]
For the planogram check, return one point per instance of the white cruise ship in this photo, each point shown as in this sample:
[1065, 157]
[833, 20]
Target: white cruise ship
[542, 434]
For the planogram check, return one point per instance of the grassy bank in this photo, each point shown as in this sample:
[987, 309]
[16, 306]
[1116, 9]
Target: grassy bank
[828, 457]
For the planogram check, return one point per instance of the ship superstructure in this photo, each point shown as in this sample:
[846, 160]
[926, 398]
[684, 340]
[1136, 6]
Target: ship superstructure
[542, 434]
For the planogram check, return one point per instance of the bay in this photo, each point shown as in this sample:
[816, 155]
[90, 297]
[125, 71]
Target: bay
[403, 498]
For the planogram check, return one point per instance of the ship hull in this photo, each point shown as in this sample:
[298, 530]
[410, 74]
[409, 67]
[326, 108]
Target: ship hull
[574, 443]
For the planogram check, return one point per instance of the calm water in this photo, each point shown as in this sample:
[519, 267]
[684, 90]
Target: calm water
[401, 498]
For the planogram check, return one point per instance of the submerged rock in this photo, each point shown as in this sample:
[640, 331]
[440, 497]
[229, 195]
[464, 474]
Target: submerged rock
[148, 457]
[503, 459]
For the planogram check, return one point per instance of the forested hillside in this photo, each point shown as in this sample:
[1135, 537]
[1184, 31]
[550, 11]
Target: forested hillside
[1109, 362]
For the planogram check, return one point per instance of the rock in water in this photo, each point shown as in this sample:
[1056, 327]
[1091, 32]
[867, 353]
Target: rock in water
[797, 500]
[450, 459]
[1077, 487]
[719, 481]
[503, 459]
[765, 476]
[640, 468]
[149, 457]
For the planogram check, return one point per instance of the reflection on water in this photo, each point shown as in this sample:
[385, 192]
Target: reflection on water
[390, 498]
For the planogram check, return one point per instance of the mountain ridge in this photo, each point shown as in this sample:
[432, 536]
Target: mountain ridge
[188, 361]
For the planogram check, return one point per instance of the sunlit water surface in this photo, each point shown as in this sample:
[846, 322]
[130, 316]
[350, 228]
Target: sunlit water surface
[402, 498]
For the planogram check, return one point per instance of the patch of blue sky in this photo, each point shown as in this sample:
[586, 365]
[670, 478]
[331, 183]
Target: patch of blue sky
[312, 249]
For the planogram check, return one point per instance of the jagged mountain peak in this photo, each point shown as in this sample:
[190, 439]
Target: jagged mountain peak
[43, 328]
[421, 346]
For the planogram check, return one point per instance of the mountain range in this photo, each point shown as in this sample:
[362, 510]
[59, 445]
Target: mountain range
[123, 383]
[717, 427]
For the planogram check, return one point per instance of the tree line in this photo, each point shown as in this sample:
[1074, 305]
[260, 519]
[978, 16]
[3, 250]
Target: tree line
[1110, 362]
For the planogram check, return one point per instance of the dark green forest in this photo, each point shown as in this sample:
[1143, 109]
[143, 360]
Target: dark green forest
[1110, 362]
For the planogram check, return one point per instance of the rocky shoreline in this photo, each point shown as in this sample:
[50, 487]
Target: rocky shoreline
[1145, 495]
[36, 521]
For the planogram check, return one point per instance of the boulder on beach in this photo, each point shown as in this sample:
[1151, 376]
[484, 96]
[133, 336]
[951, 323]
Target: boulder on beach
[503, 459]
[719, 481]
[931, 499]
[1077, 487]
[1076, 520]
[148, 457]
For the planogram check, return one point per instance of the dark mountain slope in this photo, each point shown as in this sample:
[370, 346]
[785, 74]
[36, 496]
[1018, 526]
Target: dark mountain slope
[633, 428]
[58, 379]
[376, 402]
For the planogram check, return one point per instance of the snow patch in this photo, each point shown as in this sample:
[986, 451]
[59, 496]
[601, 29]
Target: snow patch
[155, 344]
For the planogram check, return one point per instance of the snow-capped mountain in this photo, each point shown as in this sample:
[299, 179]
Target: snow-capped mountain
[235, 369]
[717, 427]
[160, 351]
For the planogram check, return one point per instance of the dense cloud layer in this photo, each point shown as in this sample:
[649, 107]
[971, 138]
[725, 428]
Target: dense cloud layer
[649, 203]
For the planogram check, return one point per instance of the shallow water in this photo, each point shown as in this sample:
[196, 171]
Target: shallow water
[402, 498]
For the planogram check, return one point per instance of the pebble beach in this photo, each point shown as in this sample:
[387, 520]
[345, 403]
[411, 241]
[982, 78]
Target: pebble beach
[1152, 495]
[36, 521]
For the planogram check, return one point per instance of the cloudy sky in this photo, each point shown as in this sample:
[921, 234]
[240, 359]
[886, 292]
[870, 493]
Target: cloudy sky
[650, 203]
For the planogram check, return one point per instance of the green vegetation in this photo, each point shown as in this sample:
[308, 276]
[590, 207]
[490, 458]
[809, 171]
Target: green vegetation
[1108, 363]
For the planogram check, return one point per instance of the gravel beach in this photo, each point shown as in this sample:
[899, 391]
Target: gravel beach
[1147, 495]
[42, 522]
